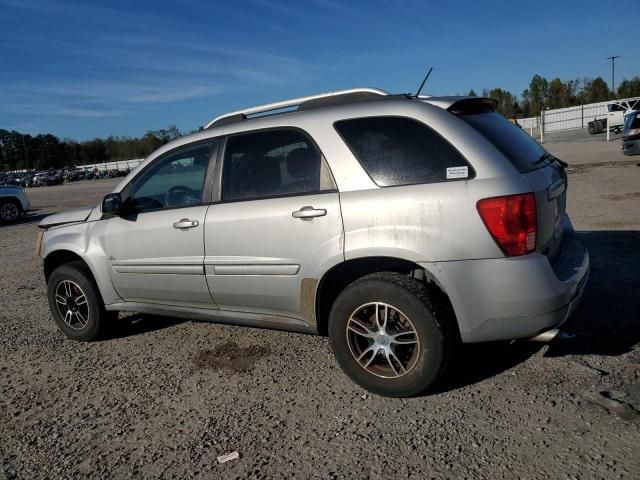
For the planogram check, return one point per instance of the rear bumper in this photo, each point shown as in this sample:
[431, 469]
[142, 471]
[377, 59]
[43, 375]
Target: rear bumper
[518, 297]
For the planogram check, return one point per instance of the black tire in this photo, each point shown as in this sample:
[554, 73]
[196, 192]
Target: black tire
[591, 127]
[407, 298]
[9, 206]
[599, 127]
[78, 276]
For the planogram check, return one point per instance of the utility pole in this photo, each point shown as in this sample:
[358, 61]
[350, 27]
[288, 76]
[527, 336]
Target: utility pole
[613, 73]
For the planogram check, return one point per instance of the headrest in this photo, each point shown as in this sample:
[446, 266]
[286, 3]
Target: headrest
[302, 163]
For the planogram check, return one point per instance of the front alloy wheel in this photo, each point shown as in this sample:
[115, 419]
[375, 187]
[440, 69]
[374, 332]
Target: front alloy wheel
[72, 304]
[76, 304]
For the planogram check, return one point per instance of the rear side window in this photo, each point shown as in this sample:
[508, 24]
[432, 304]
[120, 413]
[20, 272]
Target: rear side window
[402, 151]
[512, 141]
[273, 163]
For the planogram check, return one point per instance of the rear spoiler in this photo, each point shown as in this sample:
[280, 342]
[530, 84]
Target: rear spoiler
[473, 105]
[459, 105]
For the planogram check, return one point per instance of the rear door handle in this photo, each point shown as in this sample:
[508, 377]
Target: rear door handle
[185, 223]
[309, 213]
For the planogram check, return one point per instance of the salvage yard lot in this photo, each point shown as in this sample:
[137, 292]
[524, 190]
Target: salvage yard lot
[165, 397]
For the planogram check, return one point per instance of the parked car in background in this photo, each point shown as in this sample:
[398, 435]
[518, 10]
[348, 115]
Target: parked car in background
[13, 203]
[615, 116]
[17, 179]
[397, 225]
[631, 133]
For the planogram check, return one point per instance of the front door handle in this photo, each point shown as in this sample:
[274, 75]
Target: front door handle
[185, 223]
[309, 213]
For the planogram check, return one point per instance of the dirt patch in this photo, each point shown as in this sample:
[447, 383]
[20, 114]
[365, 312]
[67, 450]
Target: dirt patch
[622, 196]
[230, 356]
[577, 168]
[615, 406]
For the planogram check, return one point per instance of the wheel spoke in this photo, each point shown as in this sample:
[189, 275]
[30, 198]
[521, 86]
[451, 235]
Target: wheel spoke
[60, 299]
[367, 331]
[391, 357]
[382, 324]
[81, 300]
[81, 319]
[67, 317]
[67, 289]
[364, 354]
[404, 341]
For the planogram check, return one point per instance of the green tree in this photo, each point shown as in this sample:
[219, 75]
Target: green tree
[536, 95]
[506, 101]
[596, 90]
[629, 88]
[472, 93]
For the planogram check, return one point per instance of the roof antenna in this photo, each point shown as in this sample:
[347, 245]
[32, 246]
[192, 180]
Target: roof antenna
[423, 82]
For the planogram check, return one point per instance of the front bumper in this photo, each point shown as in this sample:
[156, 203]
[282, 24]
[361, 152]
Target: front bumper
[517, 297]
[631, 147]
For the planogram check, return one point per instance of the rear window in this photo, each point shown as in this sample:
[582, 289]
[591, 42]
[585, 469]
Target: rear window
[401, 151]
[512, 141]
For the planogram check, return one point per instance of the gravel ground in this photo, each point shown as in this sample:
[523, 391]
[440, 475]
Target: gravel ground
[163, 398]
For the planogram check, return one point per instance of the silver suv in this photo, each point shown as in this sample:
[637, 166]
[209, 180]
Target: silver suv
[397, 225]
[13, 203]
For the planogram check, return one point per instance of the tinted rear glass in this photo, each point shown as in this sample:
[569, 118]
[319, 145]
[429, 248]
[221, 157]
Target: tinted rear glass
[512, 141]
[401, 151]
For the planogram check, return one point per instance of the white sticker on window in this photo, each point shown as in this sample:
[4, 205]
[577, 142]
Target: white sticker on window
[457, 172]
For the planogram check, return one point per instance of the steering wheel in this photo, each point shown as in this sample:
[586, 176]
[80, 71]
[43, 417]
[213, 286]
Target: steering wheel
[179, 191]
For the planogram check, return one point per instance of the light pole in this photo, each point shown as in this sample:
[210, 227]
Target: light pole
[613, 73]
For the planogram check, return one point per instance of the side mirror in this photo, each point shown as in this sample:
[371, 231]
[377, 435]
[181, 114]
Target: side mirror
[112, 204]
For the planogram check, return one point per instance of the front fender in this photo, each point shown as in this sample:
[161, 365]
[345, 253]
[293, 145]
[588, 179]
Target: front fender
[87, 241]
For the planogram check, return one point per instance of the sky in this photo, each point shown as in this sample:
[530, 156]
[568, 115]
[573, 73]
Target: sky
[97, 68]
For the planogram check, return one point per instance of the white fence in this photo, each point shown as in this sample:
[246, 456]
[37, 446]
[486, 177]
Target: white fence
[115, 165]
[569, 118]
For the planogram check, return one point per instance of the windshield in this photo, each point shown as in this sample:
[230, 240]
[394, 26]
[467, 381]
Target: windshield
[513, 142]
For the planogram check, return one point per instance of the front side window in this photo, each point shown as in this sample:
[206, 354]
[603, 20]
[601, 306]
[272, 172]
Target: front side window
[173, 181]
[401, 151]
[273, 163]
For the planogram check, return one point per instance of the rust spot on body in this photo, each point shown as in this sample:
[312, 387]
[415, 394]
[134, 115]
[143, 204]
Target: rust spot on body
[308, 299]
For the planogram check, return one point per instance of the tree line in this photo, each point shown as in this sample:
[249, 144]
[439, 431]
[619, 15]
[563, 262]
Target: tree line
[557, 93]
[19, 151]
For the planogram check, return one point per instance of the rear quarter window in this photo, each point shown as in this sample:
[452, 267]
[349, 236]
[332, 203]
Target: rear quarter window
[512, 141]
[402, 151]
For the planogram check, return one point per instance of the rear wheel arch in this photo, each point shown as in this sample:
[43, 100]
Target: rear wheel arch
[336, 279]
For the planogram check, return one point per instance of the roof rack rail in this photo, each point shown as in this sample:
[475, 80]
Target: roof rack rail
[240, 115]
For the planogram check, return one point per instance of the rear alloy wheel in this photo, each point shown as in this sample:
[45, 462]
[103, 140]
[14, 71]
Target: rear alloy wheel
[388, 337]
[9, 211]
[383, 340]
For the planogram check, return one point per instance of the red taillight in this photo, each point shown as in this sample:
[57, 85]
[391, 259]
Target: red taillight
[511, 221]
